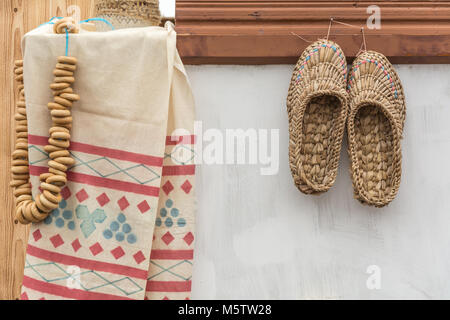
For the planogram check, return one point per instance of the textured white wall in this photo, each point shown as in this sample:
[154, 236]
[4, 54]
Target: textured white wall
[258, 237]
[167, 8]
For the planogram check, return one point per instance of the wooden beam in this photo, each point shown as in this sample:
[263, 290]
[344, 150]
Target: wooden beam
[263, 32]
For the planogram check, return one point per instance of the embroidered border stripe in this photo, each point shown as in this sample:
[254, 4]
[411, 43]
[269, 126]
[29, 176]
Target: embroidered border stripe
[188, 170]
[104, 152]
[86, 263]
[172, 255]
[103, 182]
[173, 141]
[168, 286]
[65, 292]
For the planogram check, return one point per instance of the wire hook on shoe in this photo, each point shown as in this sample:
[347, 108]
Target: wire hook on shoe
[329, 27]
[364, 38]
[363, 47]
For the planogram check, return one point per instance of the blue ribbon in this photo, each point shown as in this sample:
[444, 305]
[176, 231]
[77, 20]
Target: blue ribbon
[67, 42]
[101, 20]
[67, 31]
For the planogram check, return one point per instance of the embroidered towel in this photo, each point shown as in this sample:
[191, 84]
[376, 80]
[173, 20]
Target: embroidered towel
[125, 227]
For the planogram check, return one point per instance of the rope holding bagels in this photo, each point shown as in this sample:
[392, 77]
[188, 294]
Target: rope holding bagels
[52, 182]
[61, 25]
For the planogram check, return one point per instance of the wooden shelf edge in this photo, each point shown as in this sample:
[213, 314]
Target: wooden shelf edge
[229, 32]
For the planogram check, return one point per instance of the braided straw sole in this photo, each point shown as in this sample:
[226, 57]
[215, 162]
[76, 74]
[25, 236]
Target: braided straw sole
[317, 110]
[375, 125]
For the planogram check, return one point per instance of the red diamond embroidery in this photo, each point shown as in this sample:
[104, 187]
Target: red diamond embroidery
[56, 240]
[102, 199]
[143, 206]
[189, 238]
[139, 257]
[187, 187]
[165, 298]
[123, 203]
[37, 235]
[167, 238]
[118, 253]
[65, 192]
[82, 195]
[24, 296]
[168, 187]
[40, 190]
[96, 249]
[76, 245]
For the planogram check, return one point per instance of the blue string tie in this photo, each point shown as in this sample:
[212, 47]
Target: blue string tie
[99, 19]
[83, 21]
[67, 42]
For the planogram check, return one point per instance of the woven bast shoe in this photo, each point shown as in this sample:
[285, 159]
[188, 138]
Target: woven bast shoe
[317, 110]
[375, 125]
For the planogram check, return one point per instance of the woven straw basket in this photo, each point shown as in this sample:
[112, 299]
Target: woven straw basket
[375, 125]
[128, 13]
[317, 110]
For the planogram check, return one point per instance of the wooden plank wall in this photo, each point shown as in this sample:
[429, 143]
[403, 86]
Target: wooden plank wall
[16, 18]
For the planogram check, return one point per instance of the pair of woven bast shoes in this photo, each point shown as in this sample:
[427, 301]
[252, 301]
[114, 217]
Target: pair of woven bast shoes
[323, 98]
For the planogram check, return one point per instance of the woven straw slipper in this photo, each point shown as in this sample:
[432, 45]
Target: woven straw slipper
[317, 110]
[375, 125]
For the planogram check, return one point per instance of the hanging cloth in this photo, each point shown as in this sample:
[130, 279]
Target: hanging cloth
[125, 226]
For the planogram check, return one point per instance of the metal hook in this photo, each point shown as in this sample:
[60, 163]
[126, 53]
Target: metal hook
[363, 47]
[364, 38]
[329, 27]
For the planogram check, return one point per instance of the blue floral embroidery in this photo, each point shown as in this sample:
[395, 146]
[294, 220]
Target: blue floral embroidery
[89, 219]
[169, 216]
[120, 230]
[61, 219]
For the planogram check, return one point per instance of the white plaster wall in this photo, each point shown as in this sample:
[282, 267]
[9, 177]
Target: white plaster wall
[258, 237]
